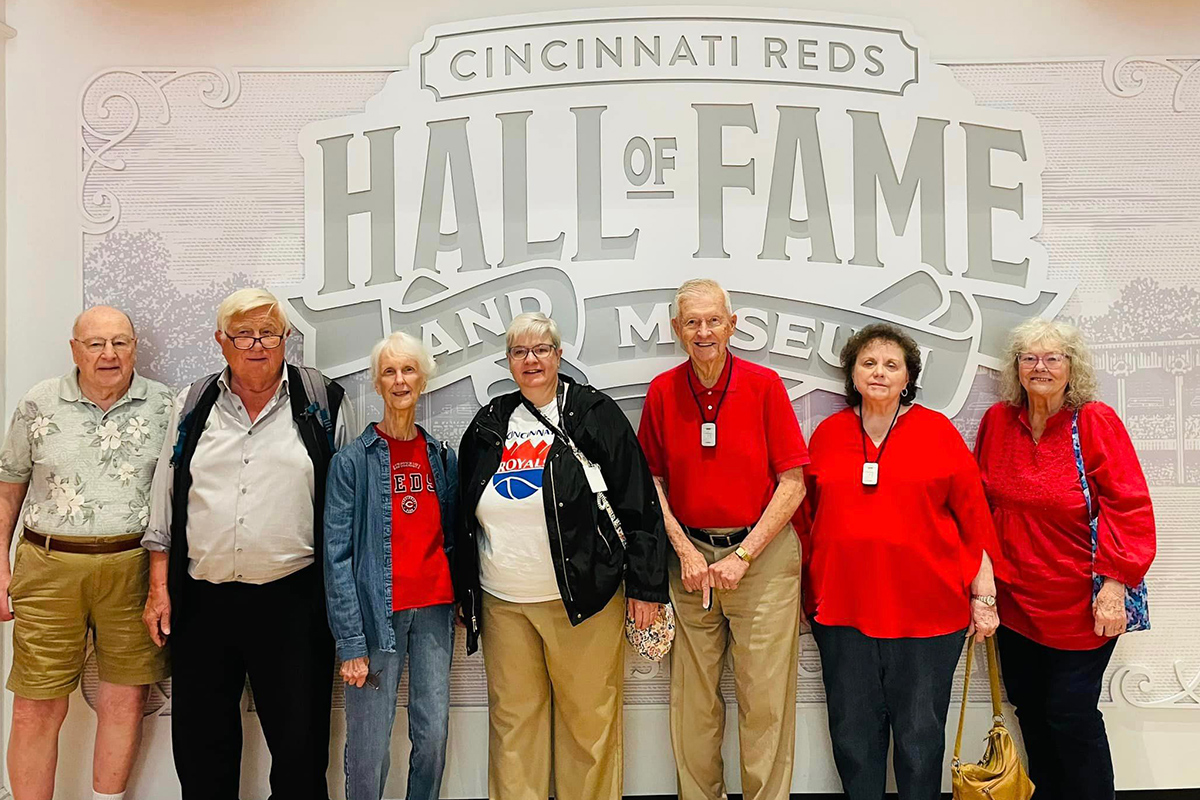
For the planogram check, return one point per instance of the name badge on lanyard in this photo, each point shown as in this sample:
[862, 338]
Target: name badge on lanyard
[595, 477]
[708, 434]
[708, 427]
[870, 475]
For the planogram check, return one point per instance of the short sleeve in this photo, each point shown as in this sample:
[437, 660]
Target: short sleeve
[650, 430]
[16, 458]
[1126, 538]
[785, 442]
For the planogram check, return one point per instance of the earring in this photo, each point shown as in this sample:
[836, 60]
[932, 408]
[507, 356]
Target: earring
[904, 392]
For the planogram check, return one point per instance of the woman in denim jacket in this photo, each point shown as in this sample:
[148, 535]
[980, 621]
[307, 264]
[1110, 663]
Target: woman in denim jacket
[389, 521]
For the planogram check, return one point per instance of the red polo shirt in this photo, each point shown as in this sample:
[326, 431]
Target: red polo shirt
[758, 437]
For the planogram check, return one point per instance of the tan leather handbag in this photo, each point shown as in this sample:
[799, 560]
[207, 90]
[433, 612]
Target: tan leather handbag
[999, 775]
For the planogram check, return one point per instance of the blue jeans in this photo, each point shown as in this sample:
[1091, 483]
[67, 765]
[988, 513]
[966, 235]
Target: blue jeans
[427, 635]
[872, 685]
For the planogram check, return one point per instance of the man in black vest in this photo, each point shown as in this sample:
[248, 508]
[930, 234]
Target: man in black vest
[235, 564]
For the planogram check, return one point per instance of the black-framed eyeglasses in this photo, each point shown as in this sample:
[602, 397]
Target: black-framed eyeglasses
[539, 350]
[120, 344]
[269, 341]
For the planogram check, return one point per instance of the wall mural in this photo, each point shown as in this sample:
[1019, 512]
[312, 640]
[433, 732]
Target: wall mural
[824, 168]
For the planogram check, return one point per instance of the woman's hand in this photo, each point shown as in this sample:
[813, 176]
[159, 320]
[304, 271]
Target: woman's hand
[354, 671]
[984, 621]
[644, 614]
[1108, 609]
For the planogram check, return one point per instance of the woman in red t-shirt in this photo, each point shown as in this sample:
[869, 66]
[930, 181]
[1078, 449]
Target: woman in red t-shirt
[389, 526]
[1058, 634]
[896, 533]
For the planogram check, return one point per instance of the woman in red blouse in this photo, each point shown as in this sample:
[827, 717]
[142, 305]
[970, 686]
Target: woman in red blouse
[1057, 640]
[898, 532]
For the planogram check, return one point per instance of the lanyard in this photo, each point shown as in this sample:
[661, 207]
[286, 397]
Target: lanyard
[863, 428]
[696, 395]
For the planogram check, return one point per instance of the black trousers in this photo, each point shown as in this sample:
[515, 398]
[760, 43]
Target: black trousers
[277, 634]
[873, 685]
[1056, 693]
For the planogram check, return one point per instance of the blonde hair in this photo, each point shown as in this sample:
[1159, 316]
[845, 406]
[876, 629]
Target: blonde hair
[243, 301]
[400, 344]
[1082, 384]
[532, 323]
[701, 287]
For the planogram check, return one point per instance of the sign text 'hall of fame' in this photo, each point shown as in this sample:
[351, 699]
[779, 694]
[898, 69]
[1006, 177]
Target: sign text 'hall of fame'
[586, 163]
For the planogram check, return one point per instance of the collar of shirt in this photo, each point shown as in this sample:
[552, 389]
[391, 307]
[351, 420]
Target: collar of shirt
[1063, 415]
[70, 391]
[234, 403]
[691, 379]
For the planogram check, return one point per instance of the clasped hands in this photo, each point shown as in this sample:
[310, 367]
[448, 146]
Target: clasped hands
[700, 576]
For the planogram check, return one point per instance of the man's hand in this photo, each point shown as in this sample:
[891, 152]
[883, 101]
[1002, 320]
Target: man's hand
[6, 613]
[727, 573]
[354, 671]
[694, 571]
[1108, 609]
[157, 614]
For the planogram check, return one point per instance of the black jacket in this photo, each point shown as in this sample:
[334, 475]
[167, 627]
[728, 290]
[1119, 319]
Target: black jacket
[589, 561]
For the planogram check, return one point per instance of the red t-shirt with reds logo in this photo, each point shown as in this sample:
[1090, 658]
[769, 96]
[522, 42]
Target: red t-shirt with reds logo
[420, 570]
[758, 437]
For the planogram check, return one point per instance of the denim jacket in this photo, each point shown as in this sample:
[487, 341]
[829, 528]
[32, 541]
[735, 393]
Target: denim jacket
[358, 538]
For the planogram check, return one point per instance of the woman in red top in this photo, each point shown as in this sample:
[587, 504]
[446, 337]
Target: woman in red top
[1057, 640]
[899, 532]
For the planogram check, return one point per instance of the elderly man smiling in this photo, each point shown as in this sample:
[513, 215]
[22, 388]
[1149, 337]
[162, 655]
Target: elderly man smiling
[80, 454]
[236, 563]
[727, 455]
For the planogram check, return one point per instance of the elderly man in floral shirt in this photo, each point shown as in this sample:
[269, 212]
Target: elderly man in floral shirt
[80, 455]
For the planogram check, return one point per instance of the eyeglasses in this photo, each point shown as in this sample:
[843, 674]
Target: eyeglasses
[269, 341]
[1051, 360]
[121, 344]
[539, 350]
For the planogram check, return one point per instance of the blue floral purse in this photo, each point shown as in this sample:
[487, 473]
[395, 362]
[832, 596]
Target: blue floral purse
[1137, 605]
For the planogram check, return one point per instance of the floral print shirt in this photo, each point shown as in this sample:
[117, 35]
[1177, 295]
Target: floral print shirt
[88, 470]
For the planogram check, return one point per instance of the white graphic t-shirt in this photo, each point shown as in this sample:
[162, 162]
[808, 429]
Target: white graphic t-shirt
[514, 544]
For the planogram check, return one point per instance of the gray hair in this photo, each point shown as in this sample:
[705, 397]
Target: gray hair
[701, 287]
[1082, 384]
[398, 345]
[532, 323]
[243, 301]
[86, 311]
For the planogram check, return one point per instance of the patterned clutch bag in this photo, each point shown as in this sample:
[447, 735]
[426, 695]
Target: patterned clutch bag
[654, 642]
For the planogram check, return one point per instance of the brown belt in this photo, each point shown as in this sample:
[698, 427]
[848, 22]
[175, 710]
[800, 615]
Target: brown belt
[65, 545]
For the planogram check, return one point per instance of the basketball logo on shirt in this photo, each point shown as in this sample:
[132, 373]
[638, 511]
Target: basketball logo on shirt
[520, 472]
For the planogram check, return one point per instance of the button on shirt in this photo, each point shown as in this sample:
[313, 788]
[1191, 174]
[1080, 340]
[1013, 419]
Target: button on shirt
[88, 470]
[250, 506]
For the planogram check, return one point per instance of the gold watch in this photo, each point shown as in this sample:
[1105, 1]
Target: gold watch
[743, 554]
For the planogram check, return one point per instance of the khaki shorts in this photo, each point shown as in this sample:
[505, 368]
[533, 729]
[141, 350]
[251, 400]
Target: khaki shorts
[58, 598]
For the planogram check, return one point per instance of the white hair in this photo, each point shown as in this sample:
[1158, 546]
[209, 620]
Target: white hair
[398, 345]
[532, 323]
[243, 301]
[701, 287]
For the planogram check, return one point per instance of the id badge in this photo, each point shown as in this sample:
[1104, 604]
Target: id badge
[595, 478]
[870, 475]
[708, 434]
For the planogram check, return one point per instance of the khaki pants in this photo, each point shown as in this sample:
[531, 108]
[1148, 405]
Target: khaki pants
[759, 622]
[548, 681]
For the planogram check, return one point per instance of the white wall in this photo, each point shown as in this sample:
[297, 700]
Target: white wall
[63, 42]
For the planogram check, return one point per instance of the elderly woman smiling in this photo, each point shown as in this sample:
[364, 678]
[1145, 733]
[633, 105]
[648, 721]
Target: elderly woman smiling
[899, 535]
[543, 574]
[1059, 632]
[389, 527]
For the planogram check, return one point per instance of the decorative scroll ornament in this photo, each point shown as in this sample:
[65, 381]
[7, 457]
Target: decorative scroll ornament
[102, 97]
[1134, 684]
[1131, 82]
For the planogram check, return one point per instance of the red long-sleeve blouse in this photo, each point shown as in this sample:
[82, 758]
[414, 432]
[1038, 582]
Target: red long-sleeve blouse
[1042, 523]
[896, 559]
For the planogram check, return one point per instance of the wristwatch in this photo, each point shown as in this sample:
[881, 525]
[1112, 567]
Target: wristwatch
[743, 554]
[988, 600]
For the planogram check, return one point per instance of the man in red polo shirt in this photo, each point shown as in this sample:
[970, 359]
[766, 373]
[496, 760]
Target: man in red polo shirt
[727, 456]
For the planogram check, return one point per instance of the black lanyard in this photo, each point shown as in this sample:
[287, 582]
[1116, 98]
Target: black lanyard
[863, 428]
[696, 395]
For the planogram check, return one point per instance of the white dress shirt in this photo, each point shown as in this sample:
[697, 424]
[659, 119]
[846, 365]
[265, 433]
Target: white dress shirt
[250, 506]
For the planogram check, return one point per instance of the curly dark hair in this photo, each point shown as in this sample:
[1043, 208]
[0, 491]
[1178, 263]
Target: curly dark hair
[881, 331]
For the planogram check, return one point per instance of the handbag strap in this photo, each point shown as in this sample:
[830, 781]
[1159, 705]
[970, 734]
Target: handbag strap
[1081, 472]
[584, 461]
[993, 678]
